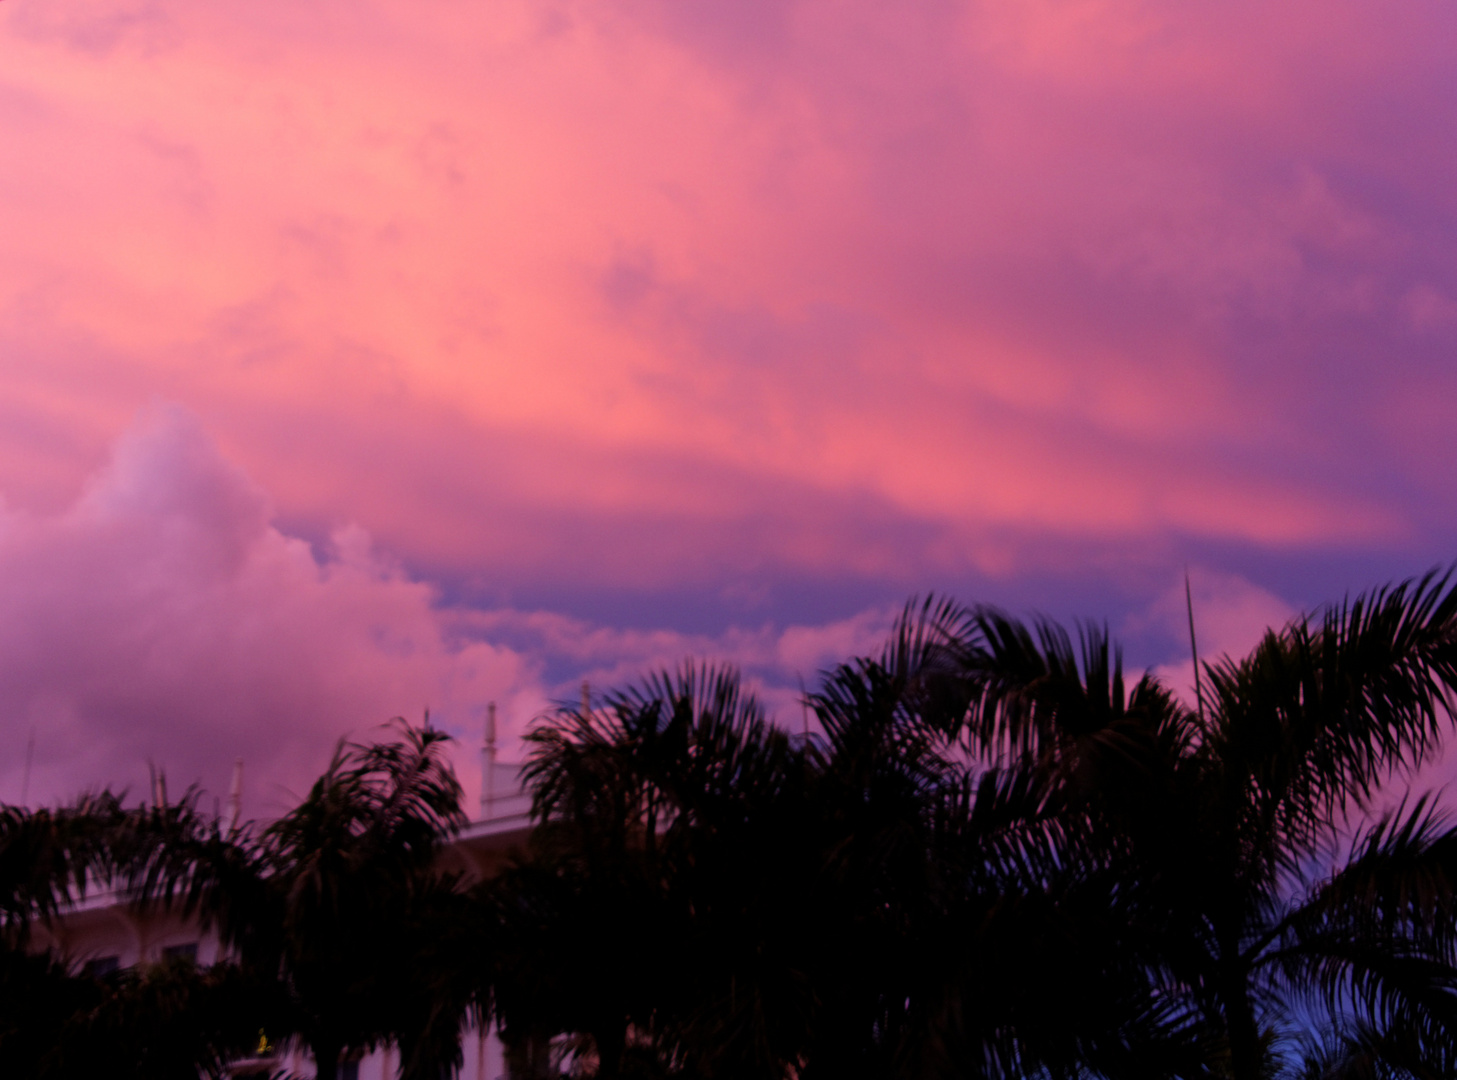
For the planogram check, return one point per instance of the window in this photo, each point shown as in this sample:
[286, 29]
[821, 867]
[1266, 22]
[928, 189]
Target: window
[186, 952]
[101, 966]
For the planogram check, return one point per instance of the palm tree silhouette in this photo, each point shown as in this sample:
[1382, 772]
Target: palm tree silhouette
[977, 933]
[341, 879]
[654, 862]
[338, 905]
[1267, 890]
[726, 900]
[997, 857]
[343, 931]
[169, 1019]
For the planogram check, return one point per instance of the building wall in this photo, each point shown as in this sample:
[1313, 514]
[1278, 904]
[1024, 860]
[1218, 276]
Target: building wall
[102, 928]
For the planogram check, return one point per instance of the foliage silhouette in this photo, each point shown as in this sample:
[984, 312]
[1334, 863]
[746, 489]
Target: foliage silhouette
[997, 857]
[338, 885]
[1250, 897]
[337, 915]
[749, 904]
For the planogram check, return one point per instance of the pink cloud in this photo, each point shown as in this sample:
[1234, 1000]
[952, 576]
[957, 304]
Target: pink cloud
[165, 617]
[1231, 615]
[1049, 269]
[489, 322]
[778, 662]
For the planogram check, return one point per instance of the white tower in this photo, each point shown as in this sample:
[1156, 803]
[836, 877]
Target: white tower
[488, 763]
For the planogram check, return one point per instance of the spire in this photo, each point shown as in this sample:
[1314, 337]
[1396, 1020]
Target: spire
[488, 763]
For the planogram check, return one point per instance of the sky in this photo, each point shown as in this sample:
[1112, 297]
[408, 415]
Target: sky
[364, 357]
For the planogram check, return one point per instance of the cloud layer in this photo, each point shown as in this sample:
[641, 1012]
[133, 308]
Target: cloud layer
[633, 329]
[837, 288]
[165, 619]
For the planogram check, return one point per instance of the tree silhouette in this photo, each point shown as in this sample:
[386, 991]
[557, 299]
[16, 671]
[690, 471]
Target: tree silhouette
[172, 1019]
[979, 931]
[732, 901]
[654, 860]
[339, 902]
[1258, 899]
[342, 875]
[997, 857]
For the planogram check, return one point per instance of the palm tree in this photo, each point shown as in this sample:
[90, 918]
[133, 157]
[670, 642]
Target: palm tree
[659, 916]
[339, 902]
[1266, 891]
[49, 856]
[167, 1021]
[342, 876]
[737, 902]
[164, 1020]
[345, 933]
[978, 934]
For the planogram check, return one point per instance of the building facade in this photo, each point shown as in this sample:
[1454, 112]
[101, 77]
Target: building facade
[102, 932]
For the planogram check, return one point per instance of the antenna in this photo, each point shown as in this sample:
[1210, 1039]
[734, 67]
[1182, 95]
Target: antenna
[1194, 647]
[25, 779]
[488, 763]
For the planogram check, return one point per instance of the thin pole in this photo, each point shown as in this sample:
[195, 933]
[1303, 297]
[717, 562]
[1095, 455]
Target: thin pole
[1194, 647]
[25, 780]
[488, 763]
[235, 796]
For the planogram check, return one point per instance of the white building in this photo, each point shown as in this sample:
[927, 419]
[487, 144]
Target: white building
[102, 932]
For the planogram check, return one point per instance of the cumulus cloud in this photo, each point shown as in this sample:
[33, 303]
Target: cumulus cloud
[776, 661]
[561, 301]
[165, 618]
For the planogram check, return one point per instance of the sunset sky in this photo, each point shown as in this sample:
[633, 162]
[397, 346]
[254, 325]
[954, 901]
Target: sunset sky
[363, 355]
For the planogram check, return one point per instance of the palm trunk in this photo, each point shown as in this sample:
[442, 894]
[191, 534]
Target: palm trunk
[610, 1045]
[528, 1057]
[1246, 1055]
[326, 1060]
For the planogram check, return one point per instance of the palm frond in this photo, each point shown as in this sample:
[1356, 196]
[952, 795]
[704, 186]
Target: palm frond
[1326, 709]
